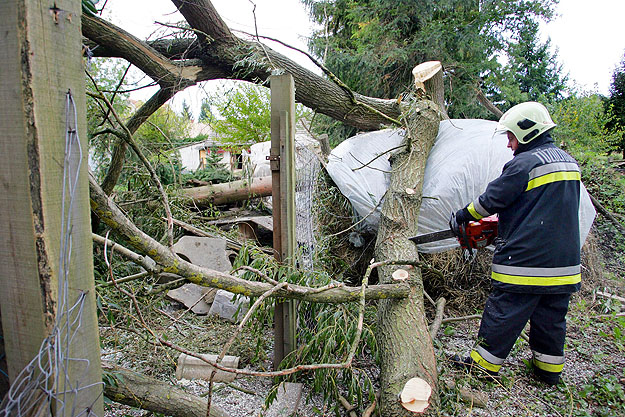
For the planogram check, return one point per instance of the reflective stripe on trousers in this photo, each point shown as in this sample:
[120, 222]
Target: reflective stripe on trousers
[519, 275]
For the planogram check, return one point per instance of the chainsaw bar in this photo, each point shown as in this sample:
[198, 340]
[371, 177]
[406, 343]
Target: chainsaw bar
[432, 237]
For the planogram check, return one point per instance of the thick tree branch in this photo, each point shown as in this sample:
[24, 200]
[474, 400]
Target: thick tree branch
[111, 215]
[226, 56]
[137, 390]
[481, 97]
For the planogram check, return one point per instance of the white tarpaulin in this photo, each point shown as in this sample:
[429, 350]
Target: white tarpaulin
[466, 156]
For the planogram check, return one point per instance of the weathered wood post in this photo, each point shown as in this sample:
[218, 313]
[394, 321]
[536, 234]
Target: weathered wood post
[282, 161]
[41, 55]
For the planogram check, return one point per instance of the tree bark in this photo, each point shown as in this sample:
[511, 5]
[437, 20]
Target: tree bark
[402, 332]
[131, 388]
[228, 192]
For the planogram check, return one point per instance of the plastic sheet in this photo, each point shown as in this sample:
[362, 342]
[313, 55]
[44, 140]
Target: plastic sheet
[466, 156]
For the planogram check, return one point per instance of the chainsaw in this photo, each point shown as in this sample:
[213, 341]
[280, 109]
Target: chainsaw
[473, 235]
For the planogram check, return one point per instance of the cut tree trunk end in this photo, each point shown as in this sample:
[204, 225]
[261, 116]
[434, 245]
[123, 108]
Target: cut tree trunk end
[428, 79]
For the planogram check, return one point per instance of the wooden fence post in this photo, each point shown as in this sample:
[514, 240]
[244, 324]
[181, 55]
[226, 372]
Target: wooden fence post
[40, 51]
[282, 161]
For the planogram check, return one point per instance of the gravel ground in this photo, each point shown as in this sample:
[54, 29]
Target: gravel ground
[589, 356]
[595, 352]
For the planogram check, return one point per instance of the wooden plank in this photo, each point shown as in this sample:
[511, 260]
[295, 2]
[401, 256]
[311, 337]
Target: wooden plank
[42, 61]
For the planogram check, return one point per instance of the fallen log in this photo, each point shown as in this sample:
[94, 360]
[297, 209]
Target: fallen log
[601, 209]
[136, 390]
[229, 192]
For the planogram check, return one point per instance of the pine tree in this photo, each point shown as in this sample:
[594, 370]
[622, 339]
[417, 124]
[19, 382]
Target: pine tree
[373, 45]
[531, 73]
[615, 107]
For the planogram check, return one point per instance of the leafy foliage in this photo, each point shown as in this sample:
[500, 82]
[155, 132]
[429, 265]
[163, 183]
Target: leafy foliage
[615, 108]
[532, 72]
[241, 113]
[88, 7]
[325, 332]
[157, 137]
[214, 171]
[106, 73]
[581, 119]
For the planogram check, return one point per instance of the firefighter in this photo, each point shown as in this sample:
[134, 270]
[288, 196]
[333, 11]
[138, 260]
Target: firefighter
[536, 263]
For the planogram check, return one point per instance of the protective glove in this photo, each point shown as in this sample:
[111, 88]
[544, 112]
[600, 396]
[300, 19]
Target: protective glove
[460, 218]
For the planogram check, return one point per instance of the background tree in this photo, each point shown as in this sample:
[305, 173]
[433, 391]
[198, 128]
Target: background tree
[240, 114]
[615, 108]
[186, 111]
[531, 73]
[109, 76]
[372, 45]
[158, 137]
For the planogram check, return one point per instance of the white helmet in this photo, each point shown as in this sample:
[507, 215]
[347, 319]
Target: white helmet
[526, 121]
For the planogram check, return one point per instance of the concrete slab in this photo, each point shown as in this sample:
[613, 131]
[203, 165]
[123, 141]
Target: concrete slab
[190, 367]
[207, 252]
[204, 251]
[224, 307]
[193, 296]
[287, 401]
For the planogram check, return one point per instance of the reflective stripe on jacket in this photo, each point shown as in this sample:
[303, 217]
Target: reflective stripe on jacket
[537, 199]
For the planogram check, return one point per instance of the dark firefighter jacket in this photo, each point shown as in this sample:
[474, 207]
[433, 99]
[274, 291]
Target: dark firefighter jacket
[537, 199]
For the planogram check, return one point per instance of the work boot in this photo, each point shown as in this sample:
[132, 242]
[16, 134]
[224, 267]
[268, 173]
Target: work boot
[549, 378]
[473, 368]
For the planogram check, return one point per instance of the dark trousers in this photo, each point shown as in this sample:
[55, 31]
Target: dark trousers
[505, 316]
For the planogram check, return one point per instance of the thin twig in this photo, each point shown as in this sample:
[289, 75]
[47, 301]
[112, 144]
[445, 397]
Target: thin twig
[141, 260]
[361, 220]
[115, 92]
[348, 407]
[257, 272]
[369, 410]
[125, 279]
[257, 38]
[168, 286]
[601, 209]
[454, 319]
[438, 318]
[430, 299]
[377, 156]
[238, 330]
[127, 137]
[332, 77]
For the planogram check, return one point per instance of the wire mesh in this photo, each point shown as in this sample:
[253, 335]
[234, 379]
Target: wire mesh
[308, 167]
[44, 384]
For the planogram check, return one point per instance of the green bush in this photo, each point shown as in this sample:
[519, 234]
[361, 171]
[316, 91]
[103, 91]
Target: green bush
[581, 120]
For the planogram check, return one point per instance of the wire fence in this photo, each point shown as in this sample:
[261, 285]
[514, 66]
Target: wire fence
[44, 386]
[307, 172]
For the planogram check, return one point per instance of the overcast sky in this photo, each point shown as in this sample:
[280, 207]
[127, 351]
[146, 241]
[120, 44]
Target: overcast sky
[589, 35]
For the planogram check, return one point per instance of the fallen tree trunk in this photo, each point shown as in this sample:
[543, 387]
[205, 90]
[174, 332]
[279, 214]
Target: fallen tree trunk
[402, 332]
[229, 192]
[216, 53]
[136, 390]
